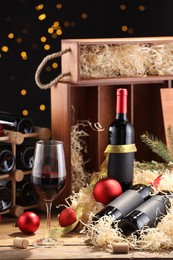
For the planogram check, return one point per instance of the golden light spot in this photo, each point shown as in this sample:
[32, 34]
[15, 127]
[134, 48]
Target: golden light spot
[72, 24]
[39, 7]
[50, 30]
[124, 28]
[48, 68]
[123, 7]
[11, 35]
[59, 32]
[66, 24]
[42, 107]
[42, 17]
[54, 35]
[54, 65]
[23, 92]
[25, 31]
[141, 8]
[25, 112]
[84, 16]
[130, 30]
[24, 55]
[59, 6]
[19, 40]
[4, 48]
[55, 25]
[43, 39]
[47, 47]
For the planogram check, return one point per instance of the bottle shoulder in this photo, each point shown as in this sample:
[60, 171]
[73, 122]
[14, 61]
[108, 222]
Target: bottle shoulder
[121, 124]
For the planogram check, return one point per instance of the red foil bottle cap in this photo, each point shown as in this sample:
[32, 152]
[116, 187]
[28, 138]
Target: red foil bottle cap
[121, 106]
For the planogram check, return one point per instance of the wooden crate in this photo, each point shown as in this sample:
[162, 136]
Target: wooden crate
[88, 51]
[96, 102]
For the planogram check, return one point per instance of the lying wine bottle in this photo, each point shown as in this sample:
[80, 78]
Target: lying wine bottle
[16, 123]
[24, 157]
[121, 145]
[25, 194]
[147, 214]
[126, 202]
[5, 198]
[7, 160]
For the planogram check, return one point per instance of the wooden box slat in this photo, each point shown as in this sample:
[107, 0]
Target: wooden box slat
[70, 61]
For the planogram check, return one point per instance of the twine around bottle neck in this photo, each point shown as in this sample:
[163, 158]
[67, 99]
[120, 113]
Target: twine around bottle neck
[42, 65]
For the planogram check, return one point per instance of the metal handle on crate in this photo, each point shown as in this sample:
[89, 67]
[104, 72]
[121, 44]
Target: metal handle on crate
[41, 66]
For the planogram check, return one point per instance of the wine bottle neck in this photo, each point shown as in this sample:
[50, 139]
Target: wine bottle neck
[121, 116]
[121, 101]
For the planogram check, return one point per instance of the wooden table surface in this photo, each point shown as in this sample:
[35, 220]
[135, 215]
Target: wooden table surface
[74, 246]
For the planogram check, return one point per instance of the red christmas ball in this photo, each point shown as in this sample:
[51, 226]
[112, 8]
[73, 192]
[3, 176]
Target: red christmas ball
[67, 217]
[28, 222]
[106, 190]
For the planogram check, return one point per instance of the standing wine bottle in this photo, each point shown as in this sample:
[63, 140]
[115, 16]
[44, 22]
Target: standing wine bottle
[148, 214]
[17, 123]
[126, 202]
[24, 157]
[5, 198]
[121, 145]
[7, 160]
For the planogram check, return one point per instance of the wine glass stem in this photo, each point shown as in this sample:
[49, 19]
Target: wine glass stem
[48, 208]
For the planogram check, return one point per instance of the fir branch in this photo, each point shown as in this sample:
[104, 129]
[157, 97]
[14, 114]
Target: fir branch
[157, 146]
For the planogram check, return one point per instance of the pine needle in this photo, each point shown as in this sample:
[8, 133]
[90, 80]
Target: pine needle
[157, 146]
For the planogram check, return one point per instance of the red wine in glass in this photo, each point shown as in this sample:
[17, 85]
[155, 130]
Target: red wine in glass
[48, 186]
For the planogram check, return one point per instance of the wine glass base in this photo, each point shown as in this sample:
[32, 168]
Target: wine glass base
[47, 242]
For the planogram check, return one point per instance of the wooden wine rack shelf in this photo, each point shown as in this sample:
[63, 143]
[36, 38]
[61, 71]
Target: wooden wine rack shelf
[16, 175]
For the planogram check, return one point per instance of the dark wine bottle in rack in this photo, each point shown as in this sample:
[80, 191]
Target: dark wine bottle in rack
[121, 145]
[17, 123]
[5, 198]
[25, 194]
[7, 160]
[24, 157]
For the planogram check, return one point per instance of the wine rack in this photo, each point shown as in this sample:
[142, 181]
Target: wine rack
[17, 175]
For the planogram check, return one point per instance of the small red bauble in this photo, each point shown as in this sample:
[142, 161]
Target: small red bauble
[67, 217]
[28, 222]
[106, 190]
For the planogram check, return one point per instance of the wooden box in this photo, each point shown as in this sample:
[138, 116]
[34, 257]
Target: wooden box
[96, 103]
[101, 61]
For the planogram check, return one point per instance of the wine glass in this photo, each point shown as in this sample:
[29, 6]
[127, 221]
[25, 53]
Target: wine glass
[48, 178]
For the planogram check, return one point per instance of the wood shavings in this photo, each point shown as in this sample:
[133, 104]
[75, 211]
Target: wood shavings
[101, 234]
[147, 172]
[80, 177]
[126, 60]
[84, 200]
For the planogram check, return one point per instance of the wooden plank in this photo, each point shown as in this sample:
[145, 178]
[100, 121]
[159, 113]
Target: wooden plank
[74, 246]
[71, 60]
[167, 109]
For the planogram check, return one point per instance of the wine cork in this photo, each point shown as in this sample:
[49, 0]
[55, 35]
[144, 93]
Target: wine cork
[18, 175]
[120, 248]
[20, 242]
[16, 210]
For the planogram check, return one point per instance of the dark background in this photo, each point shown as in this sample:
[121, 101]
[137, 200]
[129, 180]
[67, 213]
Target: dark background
[77, 19]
